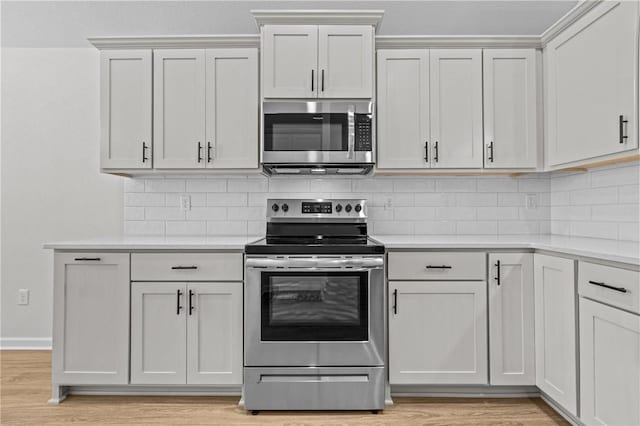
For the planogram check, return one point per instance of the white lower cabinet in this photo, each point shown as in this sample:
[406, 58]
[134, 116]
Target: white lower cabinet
[186, 333]
[511, 319]
[555, 329]
[609, 365]
[438, 332]
[91, 319]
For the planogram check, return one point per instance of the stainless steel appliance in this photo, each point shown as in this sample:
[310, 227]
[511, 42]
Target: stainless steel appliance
[314, 310]
[320, 137]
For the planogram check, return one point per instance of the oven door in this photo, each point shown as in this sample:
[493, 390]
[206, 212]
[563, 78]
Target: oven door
[321, 315]
[313, 132]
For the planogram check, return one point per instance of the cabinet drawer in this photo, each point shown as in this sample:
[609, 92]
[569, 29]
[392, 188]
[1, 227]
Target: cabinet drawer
[186, 267]
[437, 266]
[614, 286]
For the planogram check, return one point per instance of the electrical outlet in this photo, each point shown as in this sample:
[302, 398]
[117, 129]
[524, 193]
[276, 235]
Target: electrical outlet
[185, 203]
[388, 203]
[532, 201]
[23, 296]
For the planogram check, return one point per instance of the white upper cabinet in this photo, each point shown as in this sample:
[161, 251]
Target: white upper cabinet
[511, 319]
[125, 108]
[591, 85]
[290, 61]
[555, 330]
[311, 61]
[403, 109]
[456, 108]
[510, 108]
[345, 61]
[179, 108]
[232, 108]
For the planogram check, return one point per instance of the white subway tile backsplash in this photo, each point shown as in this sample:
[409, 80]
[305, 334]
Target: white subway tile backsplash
[204, 185]
[598, 203]
[185, 228]
[164, 185]
[227, 228]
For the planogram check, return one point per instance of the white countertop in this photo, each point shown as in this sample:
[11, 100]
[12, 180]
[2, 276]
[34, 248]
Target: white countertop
[611, 250]
[131, 242]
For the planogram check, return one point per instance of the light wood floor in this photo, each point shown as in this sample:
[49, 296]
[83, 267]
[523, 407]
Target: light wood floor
[25, 386]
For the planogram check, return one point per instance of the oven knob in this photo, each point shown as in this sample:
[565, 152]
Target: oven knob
[274, 207]
[347, 208]
[285, 208]
[358, 208]
[339, 208]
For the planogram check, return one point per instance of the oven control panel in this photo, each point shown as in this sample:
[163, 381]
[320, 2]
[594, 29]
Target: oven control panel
[301, 209]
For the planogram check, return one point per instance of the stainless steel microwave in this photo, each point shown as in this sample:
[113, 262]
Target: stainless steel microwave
[318, 137]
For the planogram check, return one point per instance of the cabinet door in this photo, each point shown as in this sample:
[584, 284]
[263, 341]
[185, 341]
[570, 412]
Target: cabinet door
[591, 75]
[91, 319]
[179, 108]
[345, 61]
[438, 332]
[456, 108]
[510, 108]
[232, 108]
[609, 365]
[403, 109]
[158, 333]
[125, 109]
[555, 329]
[214, 333]
[290, 61]
[511, 319]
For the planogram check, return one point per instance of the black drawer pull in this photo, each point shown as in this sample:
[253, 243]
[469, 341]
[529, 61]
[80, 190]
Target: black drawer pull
[438, 267]
[184, 267]
[610, 287]
[426, 152]
[191, 308]
[178, 306]
[497, 277]
[87, 259]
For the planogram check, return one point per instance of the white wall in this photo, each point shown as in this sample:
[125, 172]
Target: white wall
[51, 188]
[420, 205]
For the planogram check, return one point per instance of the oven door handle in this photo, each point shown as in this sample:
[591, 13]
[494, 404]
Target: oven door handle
[362, 263]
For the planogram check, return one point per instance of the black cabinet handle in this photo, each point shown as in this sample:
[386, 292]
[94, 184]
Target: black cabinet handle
[395, 301]
[208, 152]
[199, 152]
[497, 277]
[621, 123]
[190, 302]
[87, 259]
[426, 151]
[438, 267]
[610, 287]
[322, 81]
[144, 151]
[184, 267]
[312, 80]
[491, 151]
[436, 156]
[178, 306]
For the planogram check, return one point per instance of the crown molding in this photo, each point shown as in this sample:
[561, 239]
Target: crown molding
[416, 42]
[567, 20]
[318, 17]
[177, 42]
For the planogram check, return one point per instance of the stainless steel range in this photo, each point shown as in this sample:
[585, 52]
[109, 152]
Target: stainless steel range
[314, 310]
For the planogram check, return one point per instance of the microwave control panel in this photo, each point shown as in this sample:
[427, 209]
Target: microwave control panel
[363, 133]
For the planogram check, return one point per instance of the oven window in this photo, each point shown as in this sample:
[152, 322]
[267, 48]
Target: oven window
[305, 132]
[314, 306]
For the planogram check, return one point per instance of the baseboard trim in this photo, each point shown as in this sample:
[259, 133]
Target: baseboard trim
[564, 413]
[465, 391]
[25, 343]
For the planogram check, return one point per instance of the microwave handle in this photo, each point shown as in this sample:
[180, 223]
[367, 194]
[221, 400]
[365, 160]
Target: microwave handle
[351, 139]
